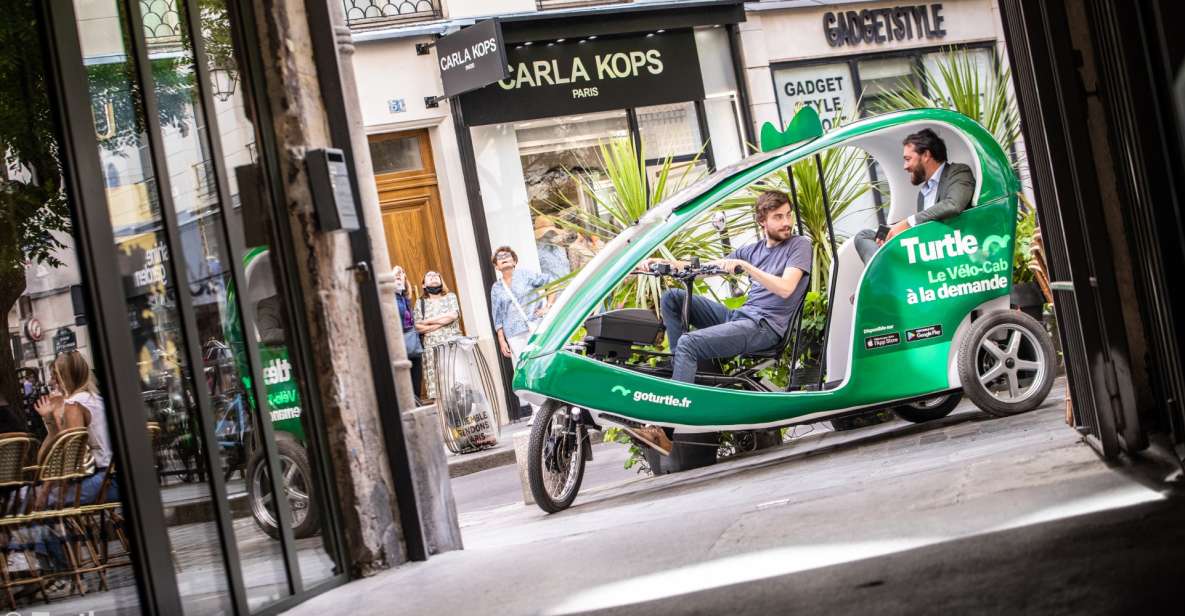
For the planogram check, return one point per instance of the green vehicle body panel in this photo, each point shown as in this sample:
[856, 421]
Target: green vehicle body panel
[900, 291]
[283, 395]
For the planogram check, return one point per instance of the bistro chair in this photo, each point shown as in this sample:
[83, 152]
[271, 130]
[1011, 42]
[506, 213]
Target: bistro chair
[17, 449]
[96, 519]
[64, 462]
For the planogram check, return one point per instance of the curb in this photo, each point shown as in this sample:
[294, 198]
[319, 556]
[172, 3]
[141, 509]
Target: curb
[202, 510]
[501, 455]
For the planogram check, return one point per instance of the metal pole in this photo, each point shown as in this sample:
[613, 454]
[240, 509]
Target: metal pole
[834, 268]
[798, 311]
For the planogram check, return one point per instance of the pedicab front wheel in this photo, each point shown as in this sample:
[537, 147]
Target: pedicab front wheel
[1006, 363]
[555, 456]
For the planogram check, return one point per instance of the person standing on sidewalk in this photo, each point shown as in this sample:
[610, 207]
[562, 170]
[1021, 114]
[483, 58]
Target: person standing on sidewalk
[516, 303]
[437, 315]
[411, 337]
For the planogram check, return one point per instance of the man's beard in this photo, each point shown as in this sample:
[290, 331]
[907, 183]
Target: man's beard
[780, 235]
[917, 174]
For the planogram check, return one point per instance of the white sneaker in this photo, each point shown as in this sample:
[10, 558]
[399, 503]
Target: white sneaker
[17, 562]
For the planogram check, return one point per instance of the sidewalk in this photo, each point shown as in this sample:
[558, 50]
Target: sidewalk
[501, 454]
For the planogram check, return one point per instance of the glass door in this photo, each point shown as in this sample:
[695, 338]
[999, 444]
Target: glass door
[221, 403]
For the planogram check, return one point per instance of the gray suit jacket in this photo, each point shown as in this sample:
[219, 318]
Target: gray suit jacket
[955, 189]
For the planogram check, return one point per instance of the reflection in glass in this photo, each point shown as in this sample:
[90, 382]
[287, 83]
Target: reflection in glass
[225, 370]
[392, 155]
[46, 382]
[144, 254]
[284, 402]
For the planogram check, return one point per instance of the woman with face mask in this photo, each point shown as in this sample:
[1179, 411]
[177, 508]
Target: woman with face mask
[411, 338]
[438, 316]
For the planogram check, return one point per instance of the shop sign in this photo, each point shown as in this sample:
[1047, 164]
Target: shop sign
[152, 268]
[471, 57]
[827, 88]
[899, 23]
[64, 341]
[33, 329]
[589, 75]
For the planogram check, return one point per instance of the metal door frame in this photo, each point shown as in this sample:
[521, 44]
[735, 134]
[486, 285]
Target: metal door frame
[94, 241]
[1052, 105]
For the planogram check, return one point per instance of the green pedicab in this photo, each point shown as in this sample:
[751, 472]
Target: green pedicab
[283, 405]
[929, 318]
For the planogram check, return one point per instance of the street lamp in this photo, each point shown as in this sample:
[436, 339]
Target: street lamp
[225, 80]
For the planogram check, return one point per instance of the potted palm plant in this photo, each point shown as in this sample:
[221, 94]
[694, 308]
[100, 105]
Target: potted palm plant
[1026, 294]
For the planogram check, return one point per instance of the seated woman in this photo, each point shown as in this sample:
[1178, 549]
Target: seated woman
[75, 403]
[78, 404]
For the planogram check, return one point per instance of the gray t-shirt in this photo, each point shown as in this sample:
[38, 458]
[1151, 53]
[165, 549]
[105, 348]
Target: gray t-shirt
[763, 303]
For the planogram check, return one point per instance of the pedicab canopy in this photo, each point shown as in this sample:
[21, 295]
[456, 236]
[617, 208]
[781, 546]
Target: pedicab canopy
[895, 324]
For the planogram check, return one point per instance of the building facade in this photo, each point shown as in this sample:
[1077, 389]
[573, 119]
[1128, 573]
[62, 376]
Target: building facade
[499, 166]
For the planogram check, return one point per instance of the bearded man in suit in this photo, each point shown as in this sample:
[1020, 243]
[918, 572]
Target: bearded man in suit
[947, 188]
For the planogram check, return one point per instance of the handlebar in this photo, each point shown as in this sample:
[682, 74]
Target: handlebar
[690, 272]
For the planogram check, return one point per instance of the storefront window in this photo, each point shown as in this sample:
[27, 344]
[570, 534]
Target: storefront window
[533, 169]
[669, 130]
[556, 188]
[721, 108]
[835, 89]
[724, 127]
[167, 380]
[880, 77]
[174, 225]
[982, 58]
[826, 87]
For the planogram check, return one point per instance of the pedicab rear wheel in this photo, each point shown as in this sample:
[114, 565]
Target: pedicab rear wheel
[555, 456]
[1006, 363]
[928, 409]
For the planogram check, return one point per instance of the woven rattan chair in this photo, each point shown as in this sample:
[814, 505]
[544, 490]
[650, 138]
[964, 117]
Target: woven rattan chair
[99, 521]
[17, 450]
[54, 499]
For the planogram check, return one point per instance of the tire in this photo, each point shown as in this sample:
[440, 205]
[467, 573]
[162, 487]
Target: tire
[861, 420]
[298, 479]
[929, 409]
[555, 453]
[1010, 351]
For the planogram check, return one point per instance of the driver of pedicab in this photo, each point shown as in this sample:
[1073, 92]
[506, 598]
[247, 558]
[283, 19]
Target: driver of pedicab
[778, 266]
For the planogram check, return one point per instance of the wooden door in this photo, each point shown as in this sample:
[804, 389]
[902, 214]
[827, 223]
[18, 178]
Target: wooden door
[409, 198]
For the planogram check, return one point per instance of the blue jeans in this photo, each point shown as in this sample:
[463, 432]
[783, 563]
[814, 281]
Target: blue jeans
[44, 537]
[719, 332]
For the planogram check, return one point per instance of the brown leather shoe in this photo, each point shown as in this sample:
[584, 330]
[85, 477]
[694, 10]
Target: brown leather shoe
[653, 437]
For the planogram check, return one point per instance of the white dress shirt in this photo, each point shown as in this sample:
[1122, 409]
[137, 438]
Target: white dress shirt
[929, 192]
